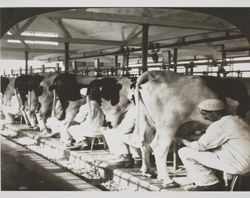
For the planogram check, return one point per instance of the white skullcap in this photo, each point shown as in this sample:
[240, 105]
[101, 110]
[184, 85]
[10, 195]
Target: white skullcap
[211, 105]
[83, 91]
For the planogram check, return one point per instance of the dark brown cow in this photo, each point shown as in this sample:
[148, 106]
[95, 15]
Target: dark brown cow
[167, 100]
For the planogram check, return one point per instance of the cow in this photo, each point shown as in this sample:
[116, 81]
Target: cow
[11, 100]
[42, 97]
[166, 100]
[67, 88]
[112, 92]
[29, 102]
[7, 91]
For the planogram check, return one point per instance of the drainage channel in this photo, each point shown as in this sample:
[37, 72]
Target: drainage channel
[22, 169]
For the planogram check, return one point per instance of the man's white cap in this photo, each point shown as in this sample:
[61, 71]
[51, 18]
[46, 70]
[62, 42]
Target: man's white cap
[83, 91]
[211, 105]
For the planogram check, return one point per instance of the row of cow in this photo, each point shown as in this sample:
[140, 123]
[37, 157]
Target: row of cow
[165, 101]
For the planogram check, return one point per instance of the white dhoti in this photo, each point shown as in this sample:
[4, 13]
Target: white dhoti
[83, 130]
[199, 166]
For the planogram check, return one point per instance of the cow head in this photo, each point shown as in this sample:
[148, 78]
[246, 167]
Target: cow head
[4, 83]
[21, 85]
[34, 85]
[106, 88]
[67, 89]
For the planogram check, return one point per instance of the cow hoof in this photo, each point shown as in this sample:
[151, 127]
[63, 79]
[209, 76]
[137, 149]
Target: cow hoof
[172, 184]
[37, 140]
[35, 127]
[148, 174]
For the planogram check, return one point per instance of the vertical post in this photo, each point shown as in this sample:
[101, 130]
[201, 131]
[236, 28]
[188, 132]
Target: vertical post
[74, 66]
[116, 65]
[20, 70]
[43, 69]
[12, 72]
[26, 61]
[97, 65]
[223, 51]
[31, 70]
[175, 59]
[169, 57]
[125, 61]
[57, 67]
[66, 56]
[144, 47]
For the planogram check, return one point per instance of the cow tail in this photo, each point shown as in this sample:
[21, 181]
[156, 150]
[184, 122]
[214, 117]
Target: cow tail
[53, 104]
[29, 101]
[140, 105]
[137, 103]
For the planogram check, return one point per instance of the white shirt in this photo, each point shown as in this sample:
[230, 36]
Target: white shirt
[230, 139]
[90, 114]
[128, 123]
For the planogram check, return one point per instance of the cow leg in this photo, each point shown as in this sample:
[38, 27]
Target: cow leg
[25, 116]
[146, 168]
[31, 117]
[160, 146]
[41, 122]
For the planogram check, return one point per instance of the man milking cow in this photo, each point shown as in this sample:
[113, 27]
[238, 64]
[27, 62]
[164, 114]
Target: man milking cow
[120, 138]
[88, 122]
[225, 146]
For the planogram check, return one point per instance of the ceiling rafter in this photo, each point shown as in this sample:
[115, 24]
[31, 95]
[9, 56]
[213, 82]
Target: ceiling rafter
[22, 29]
[135, 20]
[61, 26]
[27, 24]
[67, 40]
[133, 33]
[17, 32]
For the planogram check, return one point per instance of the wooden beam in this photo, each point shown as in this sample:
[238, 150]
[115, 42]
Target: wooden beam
[61, 26]
[79, 15]
[17, 33]
[66, 40]
[27, 24]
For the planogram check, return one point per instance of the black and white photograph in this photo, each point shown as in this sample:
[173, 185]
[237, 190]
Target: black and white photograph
[133, 98]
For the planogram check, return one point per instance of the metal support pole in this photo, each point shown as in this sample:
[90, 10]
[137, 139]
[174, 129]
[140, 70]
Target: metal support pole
[66, 57]
[175, 59]
[74, 66]
[97, 65]
[223, 51]
[43, 69]
[125, 62]
[145, 47]
[169, 57]
[116, 65]
[26, 61]
[31, 70]
[57, 67]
